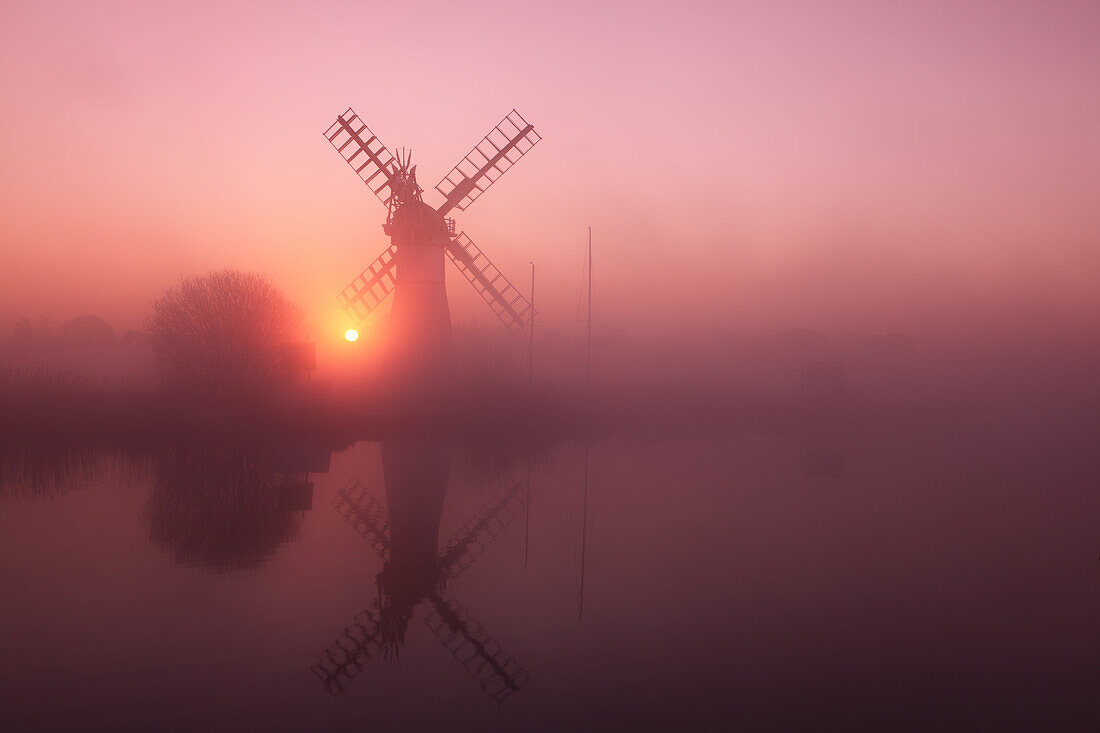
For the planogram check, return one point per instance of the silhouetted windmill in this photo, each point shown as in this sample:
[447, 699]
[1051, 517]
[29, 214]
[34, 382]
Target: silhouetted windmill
[415, 570]
[420, 234]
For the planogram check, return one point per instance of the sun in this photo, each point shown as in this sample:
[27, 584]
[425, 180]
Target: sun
[351, 334]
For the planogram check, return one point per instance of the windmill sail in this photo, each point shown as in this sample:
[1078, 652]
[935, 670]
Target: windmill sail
[363, 512]
[364, 152]
[495, 289]
[365, 292]
[496, 153]
[347, 656]
[461, 552]
[497, 672]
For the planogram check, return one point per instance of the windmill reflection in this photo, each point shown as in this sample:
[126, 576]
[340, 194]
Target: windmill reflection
[226, 508]
[416, 568]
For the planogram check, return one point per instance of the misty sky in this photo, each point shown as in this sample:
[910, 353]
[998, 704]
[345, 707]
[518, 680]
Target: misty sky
[870, 166]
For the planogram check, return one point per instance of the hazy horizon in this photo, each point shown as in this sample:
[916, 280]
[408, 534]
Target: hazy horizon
[929, 170]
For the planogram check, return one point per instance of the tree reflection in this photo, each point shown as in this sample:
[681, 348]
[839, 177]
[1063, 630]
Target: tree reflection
[224, 508]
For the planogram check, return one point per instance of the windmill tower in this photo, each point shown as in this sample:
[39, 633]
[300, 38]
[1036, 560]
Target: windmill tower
[421, 236]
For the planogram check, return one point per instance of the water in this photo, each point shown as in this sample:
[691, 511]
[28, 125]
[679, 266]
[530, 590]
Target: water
[926, 580]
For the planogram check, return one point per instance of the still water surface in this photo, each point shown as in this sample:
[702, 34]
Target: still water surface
[919, 581]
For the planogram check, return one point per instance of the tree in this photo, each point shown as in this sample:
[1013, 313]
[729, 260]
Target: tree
[87, 329]
[224, 330]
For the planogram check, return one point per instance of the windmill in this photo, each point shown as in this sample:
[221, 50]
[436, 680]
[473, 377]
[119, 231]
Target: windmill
[415, 571]
[420, 234]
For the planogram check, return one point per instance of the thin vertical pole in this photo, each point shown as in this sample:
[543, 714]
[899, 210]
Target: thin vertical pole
[530, 413]
[587, 409]
[531, 340]
[588, 365]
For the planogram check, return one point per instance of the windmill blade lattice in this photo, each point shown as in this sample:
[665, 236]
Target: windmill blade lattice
[503, 297]
[364, 152]
[363, 512]
[498, 151]
[497, 672]
[348, 655]
[480, 532]
[367, 291]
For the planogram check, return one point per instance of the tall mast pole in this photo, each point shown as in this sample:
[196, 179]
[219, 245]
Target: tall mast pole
[531, 340]
[588, 365]
[530, 412]
[587, 409]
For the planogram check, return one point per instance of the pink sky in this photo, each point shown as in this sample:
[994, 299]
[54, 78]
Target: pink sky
[873, 166]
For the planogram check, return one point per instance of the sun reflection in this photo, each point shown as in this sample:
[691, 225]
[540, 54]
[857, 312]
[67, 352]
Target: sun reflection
[351, 334]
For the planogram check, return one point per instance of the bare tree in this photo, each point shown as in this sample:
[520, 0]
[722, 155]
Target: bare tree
[225, 329]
